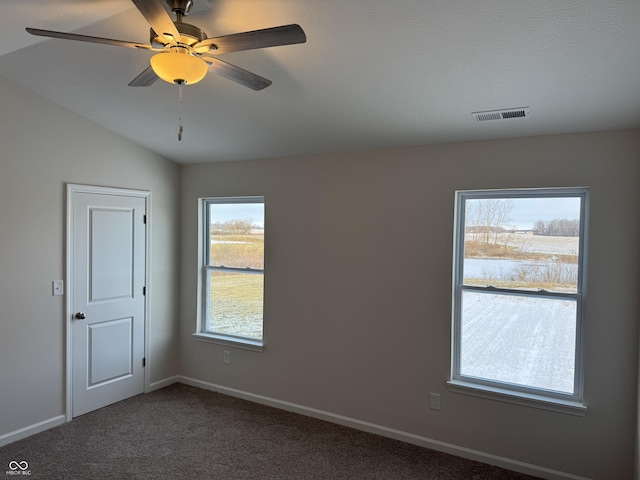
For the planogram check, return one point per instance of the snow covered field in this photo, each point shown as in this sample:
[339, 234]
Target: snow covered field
[541, 243]
[518, 339]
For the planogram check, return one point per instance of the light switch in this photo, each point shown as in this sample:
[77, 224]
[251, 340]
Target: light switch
[58, 288]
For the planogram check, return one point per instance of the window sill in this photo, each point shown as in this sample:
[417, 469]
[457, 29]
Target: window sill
[245, 343]
[526, 399]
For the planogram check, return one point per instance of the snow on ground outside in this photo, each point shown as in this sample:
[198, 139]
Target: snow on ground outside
[526, 341]
[541, 243]
[243, 326]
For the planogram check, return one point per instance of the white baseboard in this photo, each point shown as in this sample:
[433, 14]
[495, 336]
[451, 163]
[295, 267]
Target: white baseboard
[161, 383]
[25, 432]
[432, 444]
[425, 442]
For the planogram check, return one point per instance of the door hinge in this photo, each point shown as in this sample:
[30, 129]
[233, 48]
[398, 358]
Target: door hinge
[144, 290]
[144, 219]
[144, 361]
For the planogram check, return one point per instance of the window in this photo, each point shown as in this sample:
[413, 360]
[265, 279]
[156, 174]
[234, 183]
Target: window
[233, 269]
[519, 294]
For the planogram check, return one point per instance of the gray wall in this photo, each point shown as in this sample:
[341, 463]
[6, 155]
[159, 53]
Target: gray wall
[358, 292]
[42, 147]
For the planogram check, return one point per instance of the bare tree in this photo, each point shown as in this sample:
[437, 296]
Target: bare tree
[487, 217]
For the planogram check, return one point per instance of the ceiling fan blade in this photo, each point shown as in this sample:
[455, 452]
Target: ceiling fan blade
[87, 38]
[146, 78]
[267, 37]
[237, 74]
[158, 18]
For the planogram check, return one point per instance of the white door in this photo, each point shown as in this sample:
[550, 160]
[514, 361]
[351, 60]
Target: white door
[107, 236]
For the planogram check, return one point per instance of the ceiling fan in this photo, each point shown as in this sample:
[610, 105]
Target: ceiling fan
[184, 52]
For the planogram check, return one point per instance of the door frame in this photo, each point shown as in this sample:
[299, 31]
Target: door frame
[73, 188]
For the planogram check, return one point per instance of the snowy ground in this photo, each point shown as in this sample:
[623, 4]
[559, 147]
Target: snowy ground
[521, 340]
[541, 243]
[243, 326]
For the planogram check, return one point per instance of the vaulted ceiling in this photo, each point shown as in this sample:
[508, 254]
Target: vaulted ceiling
[372, 74]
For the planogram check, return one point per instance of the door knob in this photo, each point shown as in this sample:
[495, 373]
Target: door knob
[80, 316]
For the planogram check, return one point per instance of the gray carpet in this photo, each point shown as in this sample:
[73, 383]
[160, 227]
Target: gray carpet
[184, 432]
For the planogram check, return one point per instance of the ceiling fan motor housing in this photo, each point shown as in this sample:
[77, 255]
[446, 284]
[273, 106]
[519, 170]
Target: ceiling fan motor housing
[189, 35]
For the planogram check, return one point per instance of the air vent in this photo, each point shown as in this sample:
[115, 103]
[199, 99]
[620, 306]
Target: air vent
[501, 114]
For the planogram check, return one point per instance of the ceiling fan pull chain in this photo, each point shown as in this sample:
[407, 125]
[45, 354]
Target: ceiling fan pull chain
[180, 112]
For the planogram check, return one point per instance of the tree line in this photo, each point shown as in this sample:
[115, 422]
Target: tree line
[232, 227]
[558, 227]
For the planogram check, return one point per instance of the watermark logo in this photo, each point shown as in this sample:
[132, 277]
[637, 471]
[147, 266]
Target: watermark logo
[18, 468]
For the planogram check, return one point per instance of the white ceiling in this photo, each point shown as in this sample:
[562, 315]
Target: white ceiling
[373, 74]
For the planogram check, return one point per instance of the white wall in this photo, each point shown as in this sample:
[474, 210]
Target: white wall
[358, 292]
[42, 147]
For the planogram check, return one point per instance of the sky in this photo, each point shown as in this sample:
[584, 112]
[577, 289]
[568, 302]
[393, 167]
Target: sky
[253, 212]
[524, 214]
[527, 211]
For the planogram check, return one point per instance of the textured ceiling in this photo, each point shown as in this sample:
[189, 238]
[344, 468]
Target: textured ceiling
[373, 74]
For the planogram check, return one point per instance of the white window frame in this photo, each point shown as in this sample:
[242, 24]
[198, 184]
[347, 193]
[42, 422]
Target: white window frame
[203, 332]
[572, 403]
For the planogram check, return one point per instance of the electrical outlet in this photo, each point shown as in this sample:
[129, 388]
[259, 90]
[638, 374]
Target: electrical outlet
[227, 357]
[434, 401]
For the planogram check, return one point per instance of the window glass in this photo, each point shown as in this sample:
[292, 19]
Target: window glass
[528, 341]
[528, 243]
[236, 303]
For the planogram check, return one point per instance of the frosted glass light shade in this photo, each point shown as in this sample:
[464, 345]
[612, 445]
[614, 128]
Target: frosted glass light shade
[177, 67]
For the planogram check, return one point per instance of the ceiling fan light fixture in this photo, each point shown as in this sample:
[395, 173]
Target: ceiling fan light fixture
[179, 66]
